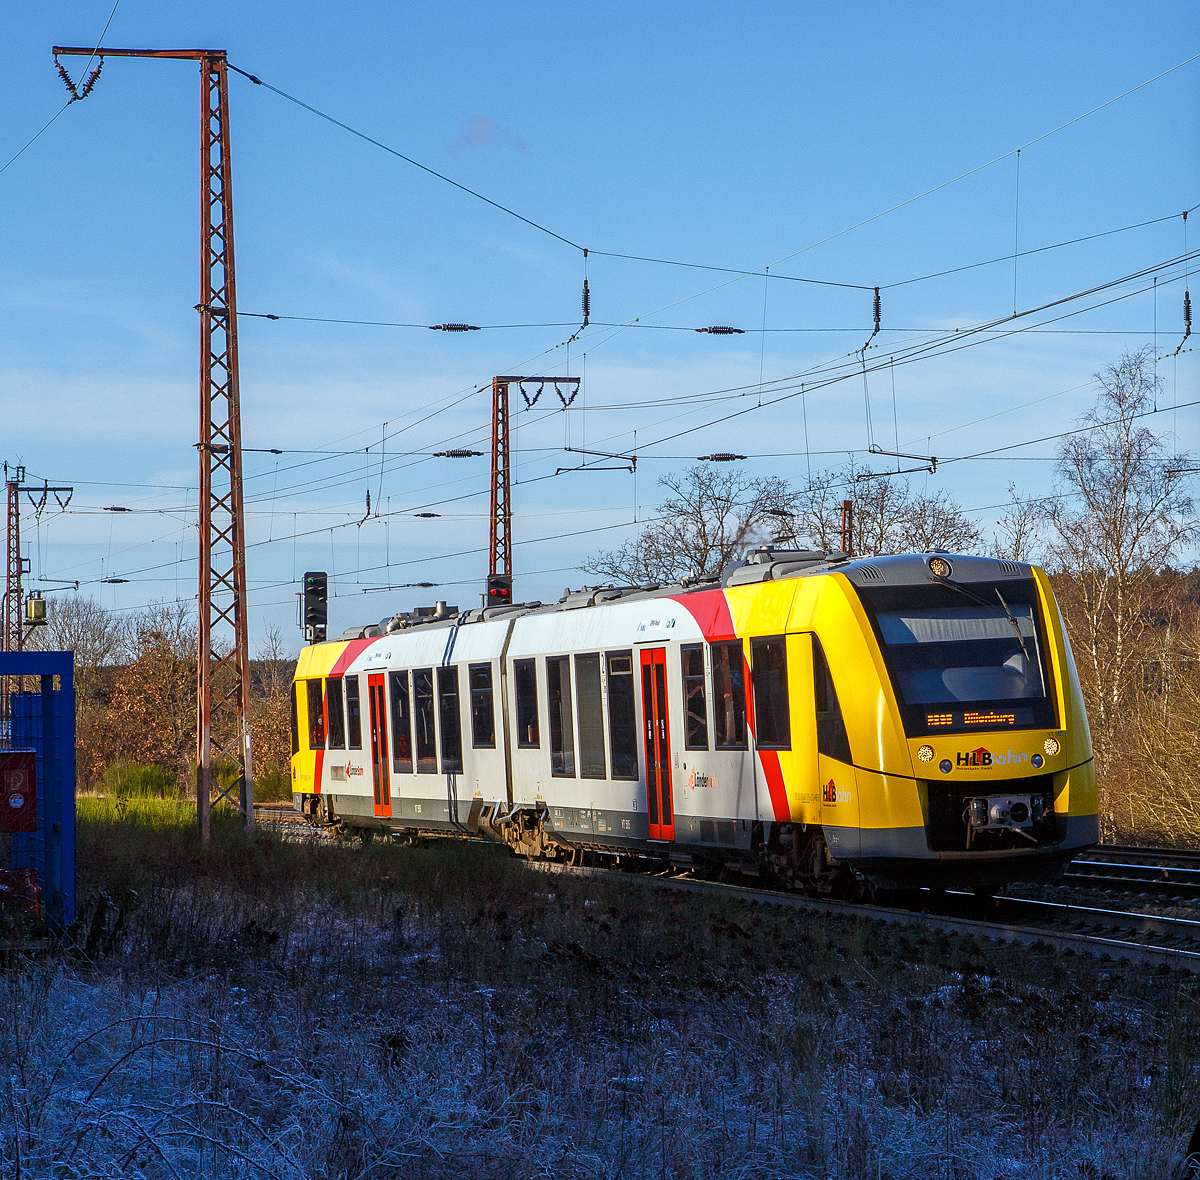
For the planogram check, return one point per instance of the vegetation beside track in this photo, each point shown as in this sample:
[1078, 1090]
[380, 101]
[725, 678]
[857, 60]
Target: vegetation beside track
[441, 1010]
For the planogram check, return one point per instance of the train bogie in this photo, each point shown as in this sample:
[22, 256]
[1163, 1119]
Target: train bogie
[806, 719]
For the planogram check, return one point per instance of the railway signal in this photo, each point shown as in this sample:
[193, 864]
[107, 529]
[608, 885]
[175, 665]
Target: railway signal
[316, 605]
[499, 590]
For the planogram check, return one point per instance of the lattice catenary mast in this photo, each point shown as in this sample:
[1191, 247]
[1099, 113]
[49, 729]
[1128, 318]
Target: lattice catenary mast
[223, 667]
[500, 570]
[11, 639]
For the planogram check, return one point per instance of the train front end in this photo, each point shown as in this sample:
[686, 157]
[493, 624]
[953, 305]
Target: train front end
[987, 771]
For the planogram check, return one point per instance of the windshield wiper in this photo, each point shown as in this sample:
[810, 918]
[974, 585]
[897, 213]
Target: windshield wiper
[952, 585]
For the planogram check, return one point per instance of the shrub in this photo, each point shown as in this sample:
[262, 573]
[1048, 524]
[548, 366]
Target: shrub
[138, 780]
[272, 786]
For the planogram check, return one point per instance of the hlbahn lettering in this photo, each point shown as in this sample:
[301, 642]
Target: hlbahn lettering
[982, 757]
[832, 793]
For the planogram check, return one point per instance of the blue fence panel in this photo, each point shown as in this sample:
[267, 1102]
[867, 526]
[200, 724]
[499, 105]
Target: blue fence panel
[44, 721]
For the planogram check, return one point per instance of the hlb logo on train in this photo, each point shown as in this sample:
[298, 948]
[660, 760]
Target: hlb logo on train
[982, 757]
[832, 793]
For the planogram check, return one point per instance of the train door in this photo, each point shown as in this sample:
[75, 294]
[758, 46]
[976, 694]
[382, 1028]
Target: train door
[659, 808]
[377, 696]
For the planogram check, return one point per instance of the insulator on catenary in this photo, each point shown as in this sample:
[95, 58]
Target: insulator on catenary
[721, 457]
[587, 303]
[723, 330]
[457, 454]
[78, 95]
[453, 328]
[878, 308]
[1187, 322]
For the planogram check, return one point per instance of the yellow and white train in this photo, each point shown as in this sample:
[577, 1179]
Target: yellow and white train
[904, 720]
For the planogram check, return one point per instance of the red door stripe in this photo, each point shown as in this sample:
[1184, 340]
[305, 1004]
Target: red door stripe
[775, 788]
[768, 759]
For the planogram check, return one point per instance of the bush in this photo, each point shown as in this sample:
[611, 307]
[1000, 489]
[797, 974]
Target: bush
[138, 780]
[273, 786]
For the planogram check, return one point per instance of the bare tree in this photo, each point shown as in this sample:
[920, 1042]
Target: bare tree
[80, 624]
[1019, 531]
[175, 620]
[889, 517]
[710, 518]
[270, 705]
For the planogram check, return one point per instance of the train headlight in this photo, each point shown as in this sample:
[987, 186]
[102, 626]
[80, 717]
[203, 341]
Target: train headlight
[1050, 745]
[1037, 761]
[925, 754]
[940, 567]
[945, 766]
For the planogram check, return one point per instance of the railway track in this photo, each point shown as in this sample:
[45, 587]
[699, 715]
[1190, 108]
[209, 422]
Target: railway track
[1115, 933]
[1109, 934]
[1164, 872]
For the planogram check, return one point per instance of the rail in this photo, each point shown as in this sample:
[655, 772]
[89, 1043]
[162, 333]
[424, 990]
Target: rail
[1058, 928]
[1169, 872]
[1118, 934]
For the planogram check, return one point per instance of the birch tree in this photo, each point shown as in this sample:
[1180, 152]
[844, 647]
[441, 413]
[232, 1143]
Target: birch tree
[1123, 516]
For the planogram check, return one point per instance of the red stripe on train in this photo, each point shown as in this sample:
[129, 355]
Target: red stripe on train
[354, 648]
[711, 611]
[774, 776]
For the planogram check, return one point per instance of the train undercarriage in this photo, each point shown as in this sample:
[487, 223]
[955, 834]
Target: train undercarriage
[792, 857]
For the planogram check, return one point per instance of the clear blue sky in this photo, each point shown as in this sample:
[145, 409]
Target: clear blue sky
[728, 135]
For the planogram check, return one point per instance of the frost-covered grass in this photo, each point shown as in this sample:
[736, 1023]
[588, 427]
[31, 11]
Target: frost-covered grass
[317, 1011]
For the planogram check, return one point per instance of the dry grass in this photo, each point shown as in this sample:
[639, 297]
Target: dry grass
[288, 1010]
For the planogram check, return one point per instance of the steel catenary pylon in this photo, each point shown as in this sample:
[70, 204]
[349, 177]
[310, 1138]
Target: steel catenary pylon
[223, 657]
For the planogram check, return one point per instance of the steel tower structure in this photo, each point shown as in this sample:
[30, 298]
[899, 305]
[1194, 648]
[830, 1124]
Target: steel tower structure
[223, 657]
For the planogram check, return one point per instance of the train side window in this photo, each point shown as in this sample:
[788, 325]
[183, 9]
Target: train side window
[333, 707]
[590, 706]
[423, 720]
[483, 715]
[832, 739]
[772, 719]
[451, 720]
[622, 715]
[402, 758]
[695, 706]
[525, 678]
[562, 736]
[316, 716]
[353, 714]
[295, 721]
[729, 696]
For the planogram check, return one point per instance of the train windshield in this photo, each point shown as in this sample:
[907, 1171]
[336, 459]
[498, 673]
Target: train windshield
[960, 663]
